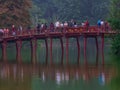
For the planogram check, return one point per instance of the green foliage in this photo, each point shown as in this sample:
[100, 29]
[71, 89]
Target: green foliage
[14, 12]
[65, 10]
[115, 9]
[17, 12]
[115, 23]
[116, 45]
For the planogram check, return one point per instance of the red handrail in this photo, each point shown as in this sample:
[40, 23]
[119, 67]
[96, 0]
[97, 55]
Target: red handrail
[81, 29]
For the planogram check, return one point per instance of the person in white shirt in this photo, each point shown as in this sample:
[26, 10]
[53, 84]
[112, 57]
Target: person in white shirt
[65, 24]
[57, 24]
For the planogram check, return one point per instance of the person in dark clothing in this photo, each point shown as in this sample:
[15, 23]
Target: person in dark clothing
[52, 27]
[38, 28]
[28, 28]
[70, 24]
[44, 27]
[75, 24]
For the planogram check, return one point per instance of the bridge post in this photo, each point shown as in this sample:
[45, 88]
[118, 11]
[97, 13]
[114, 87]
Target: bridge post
[62, 48]
[97, 50]
[51, 51]
[85, 46]
[86, 73]
[67, 50]
[46, 44]
[97, 59]
[102, 49]
[18, 51]
[34, 50]
[4, 51]
[78, 46]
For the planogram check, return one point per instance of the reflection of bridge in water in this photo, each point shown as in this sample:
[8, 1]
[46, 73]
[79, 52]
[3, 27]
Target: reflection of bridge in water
[60, 33]
[58, 73]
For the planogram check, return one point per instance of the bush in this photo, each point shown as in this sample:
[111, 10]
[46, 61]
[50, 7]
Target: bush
[114, 23]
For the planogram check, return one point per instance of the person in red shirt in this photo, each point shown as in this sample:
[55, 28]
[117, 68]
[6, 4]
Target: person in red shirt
[13, 28]
[86, 25]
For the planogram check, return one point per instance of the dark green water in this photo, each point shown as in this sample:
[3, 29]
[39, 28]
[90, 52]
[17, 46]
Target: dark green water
[57, 76]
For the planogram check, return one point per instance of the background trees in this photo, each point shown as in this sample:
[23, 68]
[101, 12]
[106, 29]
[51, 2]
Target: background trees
[80, 10]
[19, 12]
[14, 12]
[115, 23]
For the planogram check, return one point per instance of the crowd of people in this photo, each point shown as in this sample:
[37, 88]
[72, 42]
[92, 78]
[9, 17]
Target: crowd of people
[53, 26]
[103, 24]
[6, 31]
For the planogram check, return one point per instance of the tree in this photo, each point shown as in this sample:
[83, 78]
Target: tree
[65, 10]
[115, 9]
[94, 9]
[14, 12]
[115, 23]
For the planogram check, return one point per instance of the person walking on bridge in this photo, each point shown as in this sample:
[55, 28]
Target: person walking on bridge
[13, 30]
[38, 28]
[99, 23]
[86, 25]
[45, 27]
[51, 27]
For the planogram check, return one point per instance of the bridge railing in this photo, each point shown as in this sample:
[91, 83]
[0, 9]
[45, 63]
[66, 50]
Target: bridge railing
[63, 30]
[82, 29]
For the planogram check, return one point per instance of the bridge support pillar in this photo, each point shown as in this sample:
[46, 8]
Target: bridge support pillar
[46, 44]
[85, 46]
[67, 50]
[34, 50]
[4, 51]
[62, 48]
[78, 46]
[102, 49]
[51, 51]
[18, 51]
[97, 50]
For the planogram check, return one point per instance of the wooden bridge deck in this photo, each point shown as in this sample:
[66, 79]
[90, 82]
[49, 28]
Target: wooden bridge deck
[92, 31]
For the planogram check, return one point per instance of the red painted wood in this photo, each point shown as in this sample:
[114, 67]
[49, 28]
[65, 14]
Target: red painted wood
[34, 50]
[97, 59]
[18, 51]
[4, 51]
[46, 44]
[93, 31]
[62, 48]
[85, 46]
[102, 44]
[72, 32]
[51, 51]
[97, 50]
[67, 50]
[78, 46]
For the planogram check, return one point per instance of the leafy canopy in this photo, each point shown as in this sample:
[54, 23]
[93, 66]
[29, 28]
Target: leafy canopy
[14, 12]
[115, 23]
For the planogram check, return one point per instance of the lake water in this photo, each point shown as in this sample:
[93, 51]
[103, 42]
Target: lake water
[60, 76]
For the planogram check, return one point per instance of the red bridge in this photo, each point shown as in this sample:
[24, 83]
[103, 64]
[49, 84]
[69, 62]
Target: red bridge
[58, 33]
